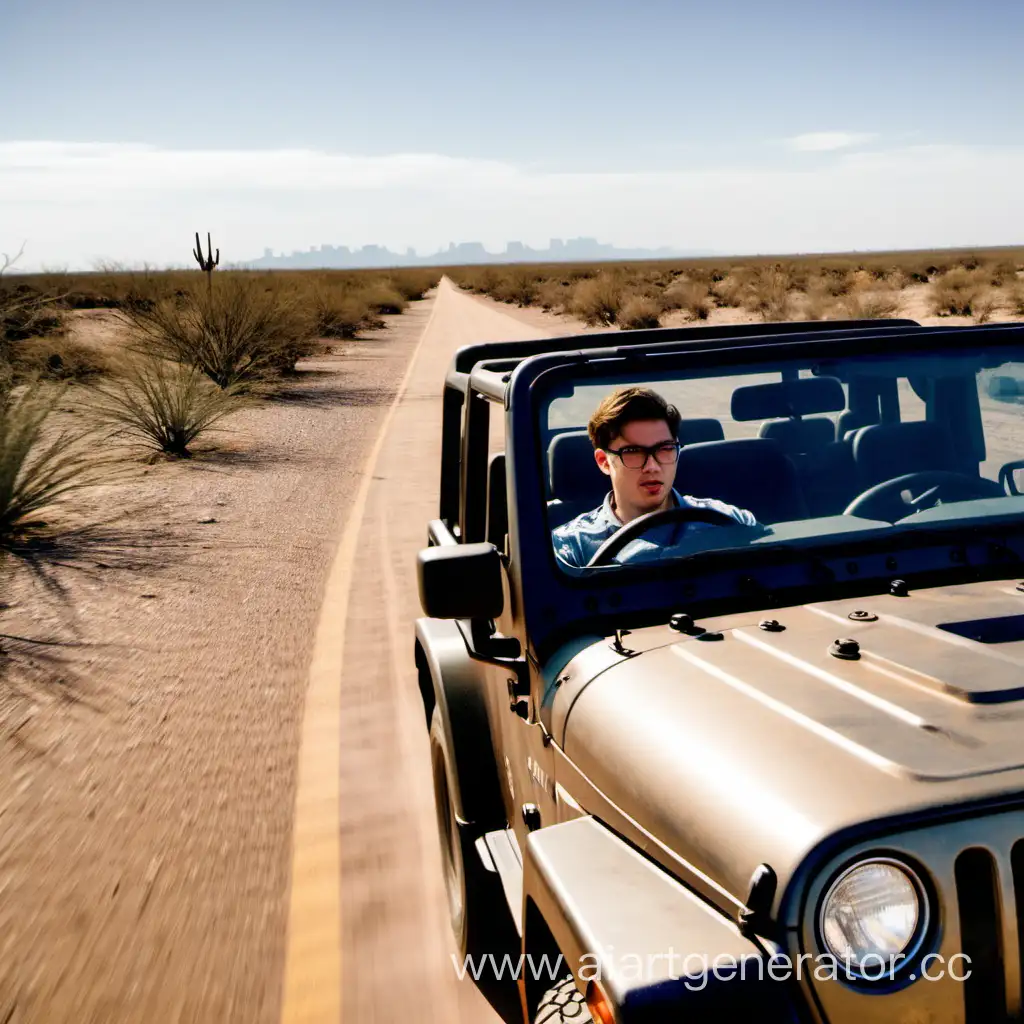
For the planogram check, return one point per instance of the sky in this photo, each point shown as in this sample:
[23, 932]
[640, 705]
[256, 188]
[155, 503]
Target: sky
[733, 126]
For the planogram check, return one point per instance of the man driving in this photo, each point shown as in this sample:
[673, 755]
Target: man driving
[633, 432]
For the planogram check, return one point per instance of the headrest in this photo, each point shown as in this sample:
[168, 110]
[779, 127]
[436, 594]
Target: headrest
[803, 397]
[800, 436]
[884, 451]
[697, 430]
[751, 472]
[573, 472]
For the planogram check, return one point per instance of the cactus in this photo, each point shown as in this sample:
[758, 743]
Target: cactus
[207, 262]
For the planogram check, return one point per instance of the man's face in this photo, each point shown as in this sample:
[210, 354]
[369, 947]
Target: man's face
[638, 491]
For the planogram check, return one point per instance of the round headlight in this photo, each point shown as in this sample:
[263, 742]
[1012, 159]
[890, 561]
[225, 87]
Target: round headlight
[872, 913]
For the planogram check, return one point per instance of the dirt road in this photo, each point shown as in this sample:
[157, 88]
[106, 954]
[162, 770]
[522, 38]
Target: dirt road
[378, 949]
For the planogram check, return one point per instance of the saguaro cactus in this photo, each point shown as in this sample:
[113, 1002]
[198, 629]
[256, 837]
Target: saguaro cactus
[207, 262]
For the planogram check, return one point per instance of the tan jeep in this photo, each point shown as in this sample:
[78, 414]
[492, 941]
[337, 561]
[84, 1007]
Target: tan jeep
[770, 773]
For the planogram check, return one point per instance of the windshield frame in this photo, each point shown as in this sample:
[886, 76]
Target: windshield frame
[558, 606]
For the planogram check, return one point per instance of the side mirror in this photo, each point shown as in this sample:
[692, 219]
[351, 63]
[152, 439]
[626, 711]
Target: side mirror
[460, 581]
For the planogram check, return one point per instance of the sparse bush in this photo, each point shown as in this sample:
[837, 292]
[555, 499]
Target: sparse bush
[413, 284]
[383, 297]
[163, 405]
[984, 305]
[517, 287]
[691, 296]
[639, 312]
[817, 305]
[955, 292]
[597, 300]
[870, 305]
[340, 315]
[1015, 300]
[56, 358]
[25, 313]
[731, 290]
[39, 467]
[237, 332]
[554, 296]
[768, 295]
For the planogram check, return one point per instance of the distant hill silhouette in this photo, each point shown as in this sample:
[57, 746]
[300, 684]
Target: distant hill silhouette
[575, 250]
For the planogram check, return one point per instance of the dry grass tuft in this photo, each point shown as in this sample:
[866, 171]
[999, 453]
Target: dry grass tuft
[769, 295]
[56, 358]
[870, 305]
[38, 467]
[163, 405]
[597, 300]
[340, 314]
[985, 305]
[955, 292]
[639, 312]
[692, 297]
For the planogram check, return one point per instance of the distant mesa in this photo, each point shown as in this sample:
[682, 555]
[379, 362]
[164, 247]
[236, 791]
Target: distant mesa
[574, 250]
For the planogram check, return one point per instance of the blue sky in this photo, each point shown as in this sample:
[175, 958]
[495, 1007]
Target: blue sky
[735, 126]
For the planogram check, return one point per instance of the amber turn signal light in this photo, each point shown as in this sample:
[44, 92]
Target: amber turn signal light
[597, 1003]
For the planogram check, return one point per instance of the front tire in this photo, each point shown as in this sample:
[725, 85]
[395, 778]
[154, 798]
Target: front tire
[480, 919]
[562, 1004]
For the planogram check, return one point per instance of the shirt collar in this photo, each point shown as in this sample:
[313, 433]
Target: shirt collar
[607, 517]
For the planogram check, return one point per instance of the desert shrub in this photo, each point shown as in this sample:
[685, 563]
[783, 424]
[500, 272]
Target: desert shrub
[336, 314]
[985, 305]
[817, 305]
[517, 287]
[768, 295]
[869, 305]
[413, 284]
[831, 280]
[731, 290]
[56, 358]
[238, 332]
[159, 404]
[955, 292]
[1000, 273]
[383, 297]
[691, 296]
[25, 314]
[639, 312]
[1015, 300]
[597, 300]
[554, 296]
[40, 467]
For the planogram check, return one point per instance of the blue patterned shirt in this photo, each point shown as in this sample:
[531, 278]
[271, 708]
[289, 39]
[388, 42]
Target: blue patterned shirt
[577, 540]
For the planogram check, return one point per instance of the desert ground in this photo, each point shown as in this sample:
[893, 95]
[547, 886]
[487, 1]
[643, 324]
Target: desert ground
[153, 715]
[214, 784]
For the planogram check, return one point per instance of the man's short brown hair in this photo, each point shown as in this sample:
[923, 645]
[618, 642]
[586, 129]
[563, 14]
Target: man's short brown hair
[625, 406]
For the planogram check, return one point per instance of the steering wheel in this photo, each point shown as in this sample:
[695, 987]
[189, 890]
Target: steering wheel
[633, 529]
[883, 501]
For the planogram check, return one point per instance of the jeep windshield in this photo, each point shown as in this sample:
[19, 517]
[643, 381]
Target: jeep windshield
[847, 449]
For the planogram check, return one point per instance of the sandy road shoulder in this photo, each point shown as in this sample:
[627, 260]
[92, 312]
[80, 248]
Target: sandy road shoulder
[387, 949]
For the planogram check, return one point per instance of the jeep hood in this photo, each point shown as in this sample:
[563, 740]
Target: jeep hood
[745, 745]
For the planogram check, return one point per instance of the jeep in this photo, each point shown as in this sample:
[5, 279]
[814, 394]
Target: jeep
[778, 773]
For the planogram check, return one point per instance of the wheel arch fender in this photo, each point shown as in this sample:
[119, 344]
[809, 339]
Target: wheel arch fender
[451, 681]
[604, 907]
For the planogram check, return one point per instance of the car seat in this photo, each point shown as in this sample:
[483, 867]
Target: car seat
[752, 473]
[824, 468]
[883, 451]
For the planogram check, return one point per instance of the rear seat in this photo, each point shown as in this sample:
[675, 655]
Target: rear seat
[824, 466]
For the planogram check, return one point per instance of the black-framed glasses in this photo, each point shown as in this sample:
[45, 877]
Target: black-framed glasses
[635, 456]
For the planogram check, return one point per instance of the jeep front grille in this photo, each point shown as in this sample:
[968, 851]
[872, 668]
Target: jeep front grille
[990, 906]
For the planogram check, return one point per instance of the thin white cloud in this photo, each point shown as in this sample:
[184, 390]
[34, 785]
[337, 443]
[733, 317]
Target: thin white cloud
[76, 203]
[820, 142]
